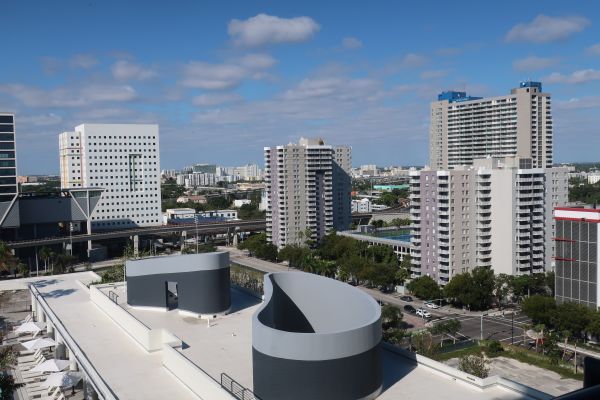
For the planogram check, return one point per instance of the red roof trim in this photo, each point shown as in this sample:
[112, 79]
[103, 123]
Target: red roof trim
[560, 239]
[577, 219]
[564, 259]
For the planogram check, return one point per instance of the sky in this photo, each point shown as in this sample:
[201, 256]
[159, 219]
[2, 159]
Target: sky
[225, 78]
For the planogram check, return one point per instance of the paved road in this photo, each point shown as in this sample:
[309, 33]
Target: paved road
[413, 322]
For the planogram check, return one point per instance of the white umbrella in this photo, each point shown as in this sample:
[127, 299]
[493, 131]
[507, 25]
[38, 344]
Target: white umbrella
[38, 343]
[52, 365]
[62, 379]
[31, 326]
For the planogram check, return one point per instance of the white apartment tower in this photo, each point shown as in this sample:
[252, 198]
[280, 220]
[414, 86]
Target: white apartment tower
[464, 128]
[124, 160]
[308, 187]
[496, 213]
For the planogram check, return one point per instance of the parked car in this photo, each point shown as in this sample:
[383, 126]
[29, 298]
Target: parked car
[421, 312]
[406, 298]
[410, 309]
[429, 304]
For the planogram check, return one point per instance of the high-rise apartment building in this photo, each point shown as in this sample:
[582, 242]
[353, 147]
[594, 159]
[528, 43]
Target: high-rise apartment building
[124, 160]
[8, 159]
[496, 213]
[577, 273]
[308, 187]
[464, 128]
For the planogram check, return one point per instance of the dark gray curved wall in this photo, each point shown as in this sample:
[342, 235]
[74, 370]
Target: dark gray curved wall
[203, 285]
[315, 338]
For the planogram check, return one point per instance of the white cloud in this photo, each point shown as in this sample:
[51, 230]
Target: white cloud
[127, 70]
[258, 61]
[267, 29]
[594, 50]
[119, 93]
[202, 75]
[351, 43]
[434, 74]
[534, 63]
[68, 97]
[579, 103]
[208, 76]
[545, 29]
[336, 87]
[582, 76]
[40, 120]
[208, 100]
[412, 60]
[84, 61]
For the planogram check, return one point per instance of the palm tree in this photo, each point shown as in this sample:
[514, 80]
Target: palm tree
[7, 259]
[45, 254]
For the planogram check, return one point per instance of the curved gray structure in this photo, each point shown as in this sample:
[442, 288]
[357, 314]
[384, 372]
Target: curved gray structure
[315, 338]
[202, 281]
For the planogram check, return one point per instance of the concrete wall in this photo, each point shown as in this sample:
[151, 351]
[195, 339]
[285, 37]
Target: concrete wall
[307, 347]
[203, 285]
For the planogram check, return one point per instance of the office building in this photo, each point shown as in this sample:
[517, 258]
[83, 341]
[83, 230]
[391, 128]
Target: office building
[309, 188]
[576, 256]
[123, 159]
[496, 213]
[8, 159]
[464, 128]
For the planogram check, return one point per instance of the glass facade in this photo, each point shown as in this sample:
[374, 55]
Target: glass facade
[8, 169]
[576, 262]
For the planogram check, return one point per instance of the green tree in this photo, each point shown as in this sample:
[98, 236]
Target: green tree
[448, 327]
[540, 309]
[45, 253]
[400, 222]
[116, 273]
[474, 365]
[594, 326]
[482, 289]
[218, 203]
[404, 272]
[377, 223]
[503, 284]
[572, 317]
[390, 316]
[8, 262]
[422, 342]
[294, 254]
[424, 287]
[459, 289]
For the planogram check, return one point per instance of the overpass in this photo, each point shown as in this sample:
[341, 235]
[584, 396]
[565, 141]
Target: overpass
[201, 228]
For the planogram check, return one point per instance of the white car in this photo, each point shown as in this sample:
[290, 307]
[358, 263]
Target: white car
[431, 305]
[423, 313]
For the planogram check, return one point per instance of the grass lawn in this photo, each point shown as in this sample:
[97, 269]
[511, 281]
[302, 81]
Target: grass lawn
[516, 353]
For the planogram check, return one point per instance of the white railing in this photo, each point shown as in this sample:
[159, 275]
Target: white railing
[101, 388]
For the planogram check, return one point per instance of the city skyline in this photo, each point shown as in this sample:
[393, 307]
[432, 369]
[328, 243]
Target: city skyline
[223, 82]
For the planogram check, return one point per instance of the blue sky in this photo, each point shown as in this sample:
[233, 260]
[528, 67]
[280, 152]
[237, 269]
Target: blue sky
[224, 79]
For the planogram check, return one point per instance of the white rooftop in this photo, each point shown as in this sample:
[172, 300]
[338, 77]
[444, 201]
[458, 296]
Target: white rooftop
[225, 346]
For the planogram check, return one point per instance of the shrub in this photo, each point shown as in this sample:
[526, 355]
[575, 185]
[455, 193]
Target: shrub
[474, 365]
[495, 347]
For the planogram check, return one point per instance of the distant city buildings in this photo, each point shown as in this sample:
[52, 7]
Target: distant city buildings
[123, 159]
[496, 213]
[576, 254]
[211, 174]
[465, 128]
[308, 188]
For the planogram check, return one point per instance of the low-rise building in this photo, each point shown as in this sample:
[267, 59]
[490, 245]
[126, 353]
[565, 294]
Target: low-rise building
[577, 255]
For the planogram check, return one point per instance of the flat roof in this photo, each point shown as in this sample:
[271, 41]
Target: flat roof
[224, 346]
